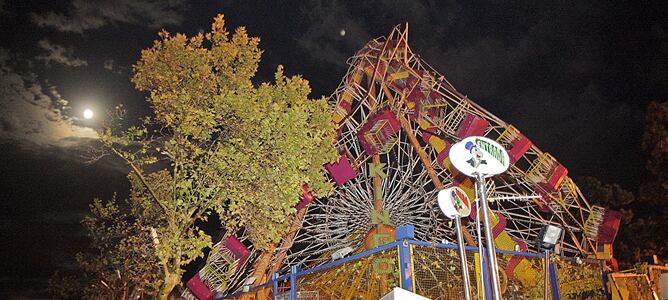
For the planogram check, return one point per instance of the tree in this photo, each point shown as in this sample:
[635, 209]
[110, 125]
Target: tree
[645, 210]
[652, 210]
[218, 144]
[655, 139]
[121, 263]
[613, 196]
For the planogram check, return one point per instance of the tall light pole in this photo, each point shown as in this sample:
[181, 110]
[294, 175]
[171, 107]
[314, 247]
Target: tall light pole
[480, 158]
[489, 240]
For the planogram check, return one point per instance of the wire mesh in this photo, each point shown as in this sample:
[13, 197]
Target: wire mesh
[631, 286]
[579, 281]
[521, 277]
[437, 273]
[369, 277]
[655, 273]
[259, 293]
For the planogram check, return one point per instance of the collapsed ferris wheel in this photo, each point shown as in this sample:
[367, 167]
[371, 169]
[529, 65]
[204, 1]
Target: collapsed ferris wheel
[396, 119]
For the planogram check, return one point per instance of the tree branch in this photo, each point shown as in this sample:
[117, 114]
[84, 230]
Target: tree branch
[141, 177]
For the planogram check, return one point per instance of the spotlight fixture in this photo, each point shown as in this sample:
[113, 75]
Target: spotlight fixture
[341, 253]
[548, 236]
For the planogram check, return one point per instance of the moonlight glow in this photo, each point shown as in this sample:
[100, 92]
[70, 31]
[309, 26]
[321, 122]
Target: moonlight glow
[87, 113]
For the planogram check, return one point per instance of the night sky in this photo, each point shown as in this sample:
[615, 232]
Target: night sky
[573, 77]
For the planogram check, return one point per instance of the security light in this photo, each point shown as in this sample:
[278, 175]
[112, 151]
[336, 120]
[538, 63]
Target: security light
[341, 253]
[548, 236]
[248, 283]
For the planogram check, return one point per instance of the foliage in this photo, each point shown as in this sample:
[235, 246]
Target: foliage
[652, 209]
[217, 143]
[655, 140]
[121, 264]
[611, 195]
[644, 210]
[278, 141]
[63, 286]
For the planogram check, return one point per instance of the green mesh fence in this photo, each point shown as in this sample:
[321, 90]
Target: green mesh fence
[631, 286]
[437, 273]
[369, 277]
[579, 280]
[521, 277]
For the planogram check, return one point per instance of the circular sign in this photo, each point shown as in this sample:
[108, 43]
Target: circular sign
[477, 154]
[454, 202]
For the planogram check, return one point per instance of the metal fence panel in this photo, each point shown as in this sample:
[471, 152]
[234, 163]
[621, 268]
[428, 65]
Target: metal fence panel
[437, 273]
[580, 280]
[369, 277]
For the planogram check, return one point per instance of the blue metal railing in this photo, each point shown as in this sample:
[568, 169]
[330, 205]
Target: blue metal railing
[403, 244]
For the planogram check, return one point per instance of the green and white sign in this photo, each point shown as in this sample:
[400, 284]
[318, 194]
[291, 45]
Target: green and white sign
[477, 154]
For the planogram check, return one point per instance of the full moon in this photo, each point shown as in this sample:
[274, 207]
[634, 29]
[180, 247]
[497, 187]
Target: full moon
[87, 113]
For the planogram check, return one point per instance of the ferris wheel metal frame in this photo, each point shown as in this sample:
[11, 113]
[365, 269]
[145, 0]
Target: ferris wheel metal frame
[396, 118]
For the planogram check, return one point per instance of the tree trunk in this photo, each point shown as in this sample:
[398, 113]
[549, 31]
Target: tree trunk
[125, 293]
[171, 281]
[262, 269]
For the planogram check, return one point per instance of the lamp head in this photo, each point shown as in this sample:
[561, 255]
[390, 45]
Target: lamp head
[548, 236]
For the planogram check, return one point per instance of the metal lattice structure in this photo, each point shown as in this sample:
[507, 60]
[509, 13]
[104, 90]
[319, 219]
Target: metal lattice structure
[397, 118]
[387, 83]
[226, 269]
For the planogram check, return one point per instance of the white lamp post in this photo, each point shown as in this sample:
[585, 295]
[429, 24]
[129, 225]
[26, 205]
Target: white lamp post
[480, 157]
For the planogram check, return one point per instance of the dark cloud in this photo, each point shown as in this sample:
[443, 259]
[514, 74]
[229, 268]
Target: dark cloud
[85, 15]
[58, 54]
[364, 21]
[111, 66]
[323, 38]
[35, 116]
[573, 77]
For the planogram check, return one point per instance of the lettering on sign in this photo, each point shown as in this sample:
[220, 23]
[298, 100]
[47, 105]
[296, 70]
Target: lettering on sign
[380, 217]
[376, 170]
[492, 150]
[479, 155]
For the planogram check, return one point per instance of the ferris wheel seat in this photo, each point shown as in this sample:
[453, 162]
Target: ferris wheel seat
[341, 171]
[198, 288]
[557, 175]
[237, 249]
[472, 125]
[515, 142]
[305, 199]
[610, 227]
[518, 149]
[379, 134]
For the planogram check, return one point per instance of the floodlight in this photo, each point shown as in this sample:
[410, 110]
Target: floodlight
[248, 283]
[548, 236]
[341, 253]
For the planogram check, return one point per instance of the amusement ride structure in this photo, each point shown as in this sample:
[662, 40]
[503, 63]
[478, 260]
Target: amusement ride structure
[397, 118]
